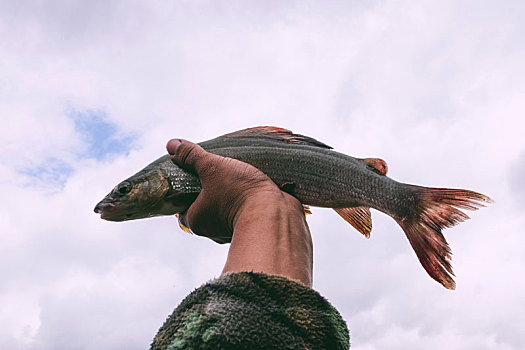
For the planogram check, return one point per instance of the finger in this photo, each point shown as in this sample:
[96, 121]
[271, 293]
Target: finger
[172, 146]
[190, 156]
[203, 222]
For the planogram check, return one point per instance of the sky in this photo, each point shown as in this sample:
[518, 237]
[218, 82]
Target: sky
[91, 91]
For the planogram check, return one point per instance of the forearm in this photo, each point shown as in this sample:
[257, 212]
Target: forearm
[271, 236]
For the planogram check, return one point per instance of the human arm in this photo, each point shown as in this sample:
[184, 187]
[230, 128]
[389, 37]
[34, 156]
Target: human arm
[263, 299]
[268, 227]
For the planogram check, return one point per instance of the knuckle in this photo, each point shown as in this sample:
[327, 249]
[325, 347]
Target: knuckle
[188, 154]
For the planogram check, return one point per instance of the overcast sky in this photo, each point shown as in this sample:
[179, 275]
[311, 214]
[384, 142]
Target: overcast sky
[90, 91]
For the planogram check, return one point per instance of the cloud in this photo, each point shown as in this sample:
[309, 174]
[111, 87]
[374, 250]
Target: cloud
[51, 172]
[94, 90]
[95, 138]
[101, 137]
[517, 179]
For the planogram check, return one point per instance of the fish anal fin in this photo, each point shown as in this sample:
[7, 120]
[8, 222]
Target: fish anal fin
[278, 133]
[359, 217]
[378, 165]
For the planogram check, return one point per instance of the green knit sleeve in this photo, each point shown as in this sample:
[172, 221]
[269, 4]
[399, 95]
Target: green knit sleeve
[253, 311]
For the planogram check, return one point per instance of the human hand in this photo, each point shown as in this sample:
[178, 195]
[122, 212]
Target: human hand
[226, 186]
[238, 202]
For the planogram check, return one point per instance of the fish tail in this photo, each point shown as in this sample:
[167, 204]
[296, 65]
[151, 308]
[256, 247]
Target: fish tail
[436, 209]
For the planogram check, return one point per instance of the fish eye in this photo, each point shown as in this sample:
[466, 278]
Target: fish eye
[124, 187]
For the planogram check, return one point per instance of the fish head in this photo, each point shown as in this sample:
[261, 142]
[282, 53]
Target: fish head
[145, 194]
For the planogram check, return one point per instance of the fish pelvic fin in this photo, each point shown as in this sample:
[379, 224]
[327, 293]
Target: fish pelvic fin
[288, 187]
[277, 133]
[436, 209]
[359, 217]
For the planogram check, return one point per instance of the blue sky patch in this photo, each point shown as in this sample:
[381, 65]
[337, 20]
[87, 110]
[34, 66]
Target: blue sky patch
[103, 139]
[52, 172]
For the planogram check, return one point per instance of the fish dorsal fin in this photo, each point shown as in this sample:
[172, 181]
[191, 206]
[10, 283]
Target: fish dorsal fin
[277, 133]
[377, 165]
[359, 217]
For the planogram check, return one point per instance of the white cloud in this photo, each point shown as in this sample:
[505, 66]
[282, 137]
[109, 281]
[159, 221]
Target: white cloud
[434, 88]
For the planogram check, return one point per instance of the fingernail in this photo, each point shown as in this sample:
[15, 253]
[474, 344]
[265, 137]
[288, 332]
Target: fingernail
[173, 145]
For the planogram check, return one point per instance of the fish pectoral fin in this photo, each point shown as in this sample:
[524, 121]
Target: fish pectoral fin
[377, 165]
[182, 226]
[307, 210]
[359, 217]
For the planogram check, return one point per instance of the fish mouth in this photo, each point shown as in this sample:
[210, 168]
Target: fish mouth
[108, 212]
[111, 212]
[101, 207]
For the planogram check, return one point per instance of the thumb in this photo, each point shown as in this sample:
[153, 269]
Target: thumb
[189, 155]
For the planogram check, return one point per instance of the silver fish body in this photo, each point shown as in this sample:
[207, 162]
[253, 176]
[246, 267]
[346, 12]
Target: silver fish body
[316, 175]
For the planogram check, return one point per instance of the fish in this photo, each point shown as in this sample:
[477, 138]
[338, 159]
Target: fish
[316, 175]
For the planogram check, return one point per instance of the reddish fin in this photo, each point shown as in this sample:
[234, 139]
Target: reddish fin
[436, 209]
[358, 217]
[377, 165]
[277, 133]
[288, 187]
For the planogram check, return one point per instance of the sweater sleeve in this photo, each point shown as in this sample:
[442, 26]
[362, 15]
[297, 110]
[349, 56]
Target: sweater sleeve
[253, 311]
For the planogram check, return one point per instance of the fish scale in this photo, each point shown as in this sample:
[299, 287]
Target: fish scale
[320, 181]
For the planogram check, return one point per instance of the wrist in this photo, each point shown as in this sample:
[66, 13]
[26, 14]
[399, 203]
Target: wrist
[265, 206]
[271, 236]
